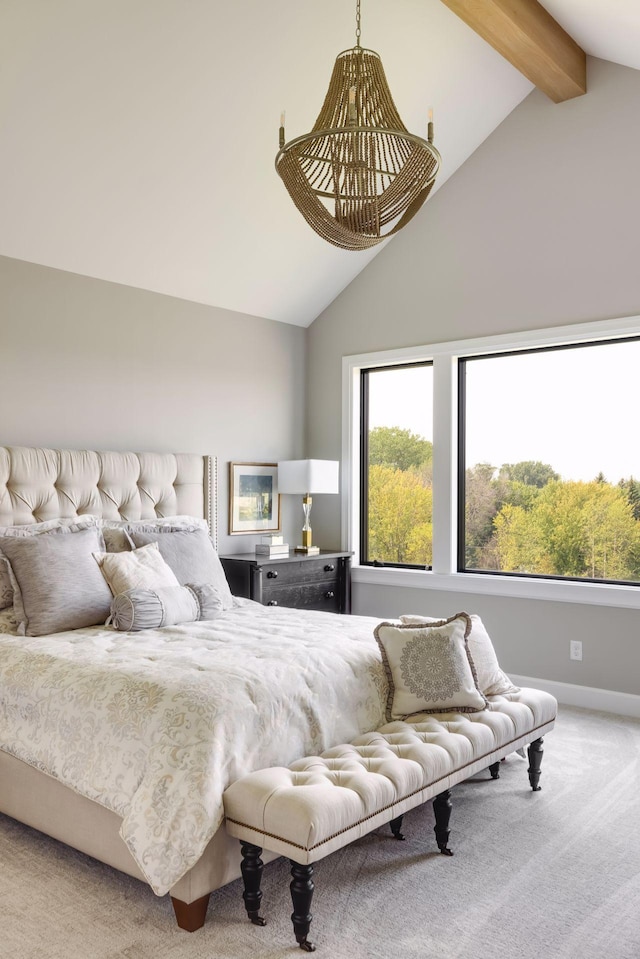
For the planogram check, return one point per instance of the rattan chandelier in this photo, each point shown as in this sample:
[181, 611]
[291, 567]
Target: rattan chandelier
[359, 176]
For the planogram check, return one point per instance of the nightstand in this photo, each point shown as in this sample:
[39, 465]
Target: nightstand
[322, 581]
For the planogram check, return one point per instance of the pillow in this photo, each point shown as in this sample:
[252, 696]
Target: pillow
[6, 589]
[56, 582]
[491, 679]
[33, 529]
[141, 568]
[8, 623]
[190, 554]
[115, 531]
[167, 606]
[429, 667]
[210, 601]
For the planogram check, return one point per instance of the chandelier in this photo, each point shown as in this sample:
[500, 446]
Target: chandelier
[359, 176]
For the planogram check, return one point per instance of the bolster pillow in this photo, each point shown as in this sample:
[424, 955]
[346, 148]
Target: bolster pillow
[140, 608]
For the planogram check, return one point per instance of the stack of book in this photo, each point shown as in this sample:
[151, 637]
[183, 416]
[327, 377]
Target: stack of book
[272, 545]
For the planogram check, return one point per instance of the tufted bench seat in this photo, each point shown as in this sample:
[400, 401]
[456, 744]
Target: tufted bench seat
[322, 803]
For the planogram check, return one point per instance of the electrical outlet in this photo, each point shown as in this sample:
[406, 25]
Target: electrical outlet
[575, 649]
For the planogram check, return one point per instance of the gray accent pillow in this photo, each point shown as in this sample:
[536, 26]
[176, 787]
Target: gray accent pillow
[115, 531]
[190, 554]
[56, 581]
[138, 609]
[209, 600]
[34, 529]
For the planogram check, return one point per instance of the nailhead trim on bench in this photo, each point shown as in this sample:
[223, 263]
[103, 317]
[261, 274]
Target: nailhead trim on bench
[268, 796]
[382, 809]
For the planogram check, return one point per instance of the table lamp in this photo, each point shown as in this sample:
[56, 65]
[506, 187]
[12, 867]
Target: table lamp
[307, 477]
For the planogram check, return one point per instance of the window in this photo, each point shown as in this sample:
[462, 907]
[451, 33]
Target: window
[533, 487]
[396, 465]
[549, 466]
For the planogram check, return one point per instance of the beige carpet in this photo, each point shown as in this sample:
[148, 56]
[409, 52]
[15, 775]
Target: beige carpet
[554, 874]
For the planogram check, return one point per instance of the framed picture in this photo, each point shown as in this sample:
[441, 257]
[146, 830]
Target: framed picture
[254, 502]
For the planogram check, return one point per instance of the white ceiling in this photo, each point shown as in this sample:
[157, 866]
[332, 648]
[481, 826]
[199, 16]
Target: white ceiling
[137, 139]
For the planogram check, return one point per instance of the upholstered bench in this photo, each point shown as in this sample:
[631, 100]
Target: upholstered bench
[321, 803]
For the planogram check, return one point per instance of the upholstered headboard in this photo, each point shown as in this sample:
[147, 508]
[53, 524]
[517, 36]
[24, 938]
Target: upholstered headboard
[40, 484]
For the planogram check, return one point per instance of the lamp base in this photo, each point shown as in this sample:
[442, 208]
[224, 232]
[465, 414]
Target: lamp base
[309, 550]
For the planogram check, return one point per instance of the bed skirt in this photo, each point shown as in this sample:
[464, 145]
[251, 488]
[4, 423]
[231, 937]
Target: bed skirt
[37, 800]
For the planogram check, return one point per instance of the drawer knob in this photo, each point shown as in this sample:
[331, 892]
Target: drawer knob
[272, 574]
[330, 594]
[329, 568]
[272, 602]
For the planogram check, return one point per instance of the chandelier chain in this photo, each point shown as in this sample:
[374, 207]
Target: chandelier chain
[358, 31]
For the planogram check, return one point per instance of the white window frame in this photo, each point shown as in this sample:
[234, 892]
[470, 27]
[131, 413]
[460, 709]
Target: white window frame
[444, 574]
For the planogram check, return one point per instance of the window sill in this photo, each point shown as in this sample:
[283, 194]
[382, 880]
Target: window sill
[595, 594]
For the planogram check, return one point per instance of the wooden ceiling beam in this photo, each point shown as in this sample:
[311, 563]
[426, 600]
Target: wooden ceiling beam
[529, 38]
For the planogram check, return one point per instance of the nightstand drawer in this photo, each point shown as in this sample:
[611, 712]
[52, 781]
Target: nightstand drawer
[304, 571]
[310, 596]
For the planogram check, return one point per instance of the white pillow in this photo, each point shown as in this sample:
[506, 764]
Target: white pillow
[142, 568]
[492, 681]
[429, 667]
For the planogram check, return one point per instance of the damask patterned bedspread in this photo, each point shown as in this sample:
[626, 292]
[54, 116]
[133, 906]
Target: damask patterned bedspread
[154, 725]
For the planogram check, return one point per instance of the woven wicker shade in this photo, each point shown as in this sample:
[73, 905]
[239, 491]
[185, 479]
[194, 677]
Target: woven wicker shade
[359, 176]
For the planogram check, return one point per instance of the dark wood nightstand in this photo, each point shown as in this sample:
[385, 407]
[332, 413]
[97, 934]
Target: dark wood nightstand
[322, 581]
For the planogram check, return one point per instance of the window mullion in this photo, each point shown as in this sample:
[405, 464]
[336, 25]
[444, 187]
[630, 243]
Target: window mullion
[445, 458]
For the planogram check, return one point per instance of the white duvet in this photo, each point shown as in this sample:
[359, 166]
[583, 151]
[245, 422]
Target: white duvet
[154, 725]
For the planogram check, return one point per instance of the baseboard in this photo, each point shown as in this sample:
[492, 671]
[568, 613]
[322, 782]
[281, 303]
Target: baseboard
[608, 700]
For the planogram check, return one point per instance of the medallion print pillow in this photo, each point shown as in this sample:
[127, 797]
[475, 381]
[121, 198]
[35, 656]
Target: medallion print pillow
[429, 667]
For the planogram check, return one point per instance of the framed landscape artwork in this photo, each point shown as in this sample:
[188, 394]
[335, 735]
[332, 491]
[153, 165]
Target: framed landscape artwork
[254, 502]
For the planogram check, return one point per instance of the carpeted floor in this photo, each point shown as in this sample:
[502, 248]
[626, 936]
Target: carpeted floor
[554, 874]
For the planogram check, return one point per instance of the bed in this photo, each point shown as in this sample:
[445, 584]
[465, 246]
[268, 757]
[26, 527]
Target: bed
[121, 744]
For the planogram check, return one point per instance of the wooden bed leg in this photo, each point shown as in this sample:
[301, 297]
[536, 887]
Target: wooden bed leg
[535, 752]
[442, 810]
[191, 915]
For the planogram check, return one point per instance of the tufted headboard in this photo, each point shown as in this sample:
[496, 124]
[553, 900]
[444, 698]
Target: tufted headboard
[40, 484]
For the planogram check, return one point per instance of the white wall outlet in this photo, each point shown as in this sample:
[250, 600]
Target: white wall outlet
[575, 649]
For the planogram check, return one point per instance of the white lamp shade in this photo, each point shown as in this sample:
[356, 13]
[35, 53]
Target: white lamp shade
[308, 476]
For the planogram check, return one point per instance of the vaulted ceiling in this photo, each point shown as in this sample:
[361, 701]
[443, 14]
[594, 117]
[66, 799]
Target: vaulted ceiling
[137, 139]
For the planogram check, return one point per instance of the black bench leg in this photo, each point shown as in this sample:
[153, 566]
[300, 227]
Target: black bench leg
[251, 868]
[301, 895]
[442, 810]
[494, 769]
[396, 826]
[535, 752]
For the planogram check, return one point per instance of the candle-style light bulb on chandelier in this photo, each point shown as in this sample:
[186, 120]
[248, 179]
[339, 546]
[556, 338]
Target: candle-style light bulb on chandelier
[359, 176]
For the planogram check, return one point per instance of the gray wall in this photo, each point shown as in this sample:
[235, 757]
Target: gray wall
[538, 228]
[89, 364]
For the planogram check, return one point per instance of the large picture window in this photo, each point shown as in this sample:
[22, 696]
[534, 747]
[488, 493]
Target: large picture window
[549, 462]
[506, 464]
[396, 463]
